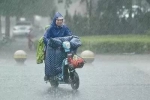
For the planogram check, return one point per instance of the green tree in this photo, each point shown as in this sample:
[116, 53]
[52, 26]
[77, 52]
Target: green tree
[148, 1]
[0, 27]
[27, 8]
[108, 17]
[7, 9]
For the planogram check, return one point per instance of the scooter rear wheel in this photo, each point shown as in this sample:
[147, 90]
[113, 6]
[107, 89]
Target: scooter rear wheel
[54, 83]
[75, 81]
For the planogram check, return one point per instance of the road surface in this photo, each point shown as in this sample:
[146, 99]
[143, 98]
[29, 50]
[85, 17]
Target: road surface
[109, 77]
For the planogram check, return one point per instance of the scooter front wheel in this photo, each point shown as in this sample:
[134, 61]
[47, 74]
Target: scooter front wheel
[75, 81]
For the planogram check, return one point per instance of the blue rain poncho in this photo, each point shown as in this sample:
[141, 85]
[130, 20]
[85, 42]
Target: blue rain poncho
[56, 31]
[55, 53]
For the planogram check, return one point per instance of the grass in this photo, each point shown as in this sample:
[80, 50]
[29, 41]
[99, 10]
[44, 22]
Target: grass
[116, 43]
[116, 38]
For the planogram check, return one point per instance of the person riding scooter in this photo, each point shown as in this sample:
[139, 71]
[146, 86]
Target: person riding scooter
[56, 29]
[30, 41]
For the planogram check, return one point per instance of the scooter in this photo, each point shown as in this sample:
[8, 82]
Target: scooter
[68, 74]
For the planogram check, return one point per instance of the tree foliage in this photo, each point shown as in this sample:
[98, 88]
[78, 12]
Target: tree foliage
[111, 17]
[25, 8]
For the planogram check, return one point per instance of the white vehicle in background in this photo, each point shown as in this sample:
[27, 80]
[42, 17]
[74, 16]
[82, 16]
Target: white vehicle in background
[22, 28]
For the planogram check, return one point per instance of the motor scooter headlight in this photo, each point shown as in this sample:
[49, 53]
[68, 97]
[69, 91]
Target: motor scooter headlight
[66, 46]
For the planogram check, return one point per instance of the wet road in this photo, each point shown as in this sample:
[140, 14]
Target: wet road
[109, 77]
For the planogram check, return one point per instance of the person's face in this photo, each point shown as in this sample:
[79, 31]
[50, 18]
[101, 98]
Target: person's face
[59, 22]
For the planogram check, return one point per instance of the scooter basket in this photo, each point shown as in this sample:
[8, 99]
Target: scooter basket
[77, 62]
